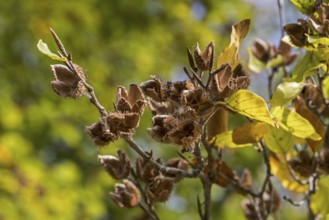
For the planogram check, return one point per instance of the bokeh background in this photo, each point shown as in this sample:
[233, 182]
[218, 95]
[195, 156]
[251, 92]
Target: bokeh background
[48, 167]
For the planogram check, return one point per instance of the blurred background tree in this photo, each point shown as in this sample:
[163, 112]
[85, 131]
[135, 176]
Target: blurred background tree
[48, 167]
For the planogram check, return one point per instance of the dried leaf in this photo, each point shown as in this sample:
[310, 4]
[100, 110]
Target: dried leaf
[217, 123]
[43, 48]
[230, 53]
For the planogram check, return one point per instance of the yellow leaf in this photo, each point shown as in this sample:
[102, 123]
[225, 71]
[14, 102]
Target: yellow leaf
[279, 140]
[316, 40]
[230, 53]
[225, 140]
[325, 86]
[285, 92]
[295, 123]
[250, 133]
[316, 122]
[280, 169]
[319, 200]
[43, 48]
[251, 105]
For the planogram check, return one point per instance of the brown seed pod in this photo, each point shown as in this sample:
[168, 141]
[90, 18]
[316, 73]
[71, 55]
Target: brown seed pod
[126, 194]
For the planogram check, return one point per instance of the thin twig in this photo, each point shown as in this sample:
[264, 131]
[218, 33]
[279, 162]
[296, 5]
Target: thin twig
[154, 217]
[281, 15]
[311, 190]
[199, 207]
[270, 79]
[267, 180]
[293, 175]
[150, 207]
[207, 198]
[164, 169]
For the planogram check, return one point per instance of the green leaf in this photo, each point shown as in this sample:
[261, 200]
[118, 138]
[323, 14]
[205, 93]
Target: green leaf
[304, 6]
[307, 66]
[43, 48]
[275, 62]
[251, 105]
[295, 123]
[285, 92]
[279, 140]
[255, 64]
[316, 40]
[319, 200]
[225, 140]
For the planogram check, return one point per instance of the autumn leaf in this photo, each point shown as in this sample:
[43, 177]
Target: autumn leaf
[250, 133]
[319, 200]
[230, 53]
[218, 123]
[286, 92]
[316, 122]
[244, 136]
[249, 104]
[225, 140]
[43, 48]
[280, 169]
[279, 140]
[325, 86]
[295, 123]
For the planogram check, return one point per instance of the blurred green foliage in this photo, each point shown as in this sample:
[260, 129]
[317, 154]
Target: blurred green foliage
[48, 167]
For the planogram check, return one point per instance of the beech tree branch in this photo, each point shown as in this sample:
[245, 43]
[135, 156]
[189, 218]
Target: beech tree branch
[92, 96]
[162, 168]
